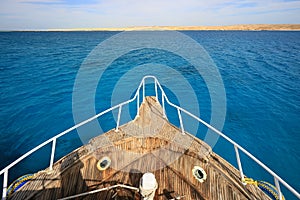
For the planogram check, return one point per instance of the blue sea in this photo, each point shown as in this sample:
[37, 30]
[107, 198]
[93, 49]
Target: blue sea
[260, 71]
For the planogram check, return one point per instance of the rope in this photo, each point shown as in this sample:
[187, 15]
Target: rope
[266, 187]
[250, 181]
[17, 184]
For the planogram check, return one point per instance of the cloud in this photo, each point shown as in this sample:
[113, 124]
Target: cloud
[61, 2]
[43, 14]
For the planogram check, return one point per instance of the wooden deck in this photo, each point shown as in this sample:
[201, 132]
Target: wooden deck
[147, 144]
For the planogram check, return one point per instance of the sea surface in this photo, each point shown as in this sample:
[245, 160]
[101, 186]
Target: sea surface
[260, 72]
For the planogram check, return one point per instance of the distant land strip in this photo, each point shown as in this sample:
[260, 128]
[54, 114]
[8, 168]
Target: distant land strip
[243, 27]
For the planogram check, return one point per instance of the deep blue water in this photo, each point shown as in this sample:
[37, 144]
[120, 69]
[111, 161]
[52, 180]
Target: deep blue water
[260, 71]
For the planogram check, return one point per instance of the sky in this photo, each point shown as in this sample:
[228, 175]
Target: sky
[57, 14]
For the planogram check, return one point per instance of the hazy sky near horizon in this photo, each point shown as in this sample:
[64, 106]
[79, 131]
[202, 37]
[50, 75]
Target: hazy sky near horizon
[47, 14]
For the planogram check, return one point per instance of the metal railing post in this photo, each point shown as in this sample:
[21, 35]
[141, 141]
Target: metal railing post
[239, 162]
[138, 104]
[52, 153]
[119, 116]
[163, 104]
[143, 90]
[155, 86]
[278, 188]
[5, 180]
[180, 120]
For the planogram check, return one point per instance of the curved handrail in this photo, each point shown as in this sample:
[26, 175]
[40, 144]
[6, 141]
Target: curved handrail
[101, 190]
[53, 140]
[236, 146]
[164, 97]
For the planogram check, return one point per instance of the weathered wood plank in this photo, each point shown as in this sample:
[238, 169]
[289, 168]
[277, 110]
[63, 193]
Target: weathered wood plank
[147, 144]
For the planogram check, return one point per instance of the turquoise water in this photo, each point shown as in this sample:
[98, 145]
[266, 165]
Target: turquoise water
[260, 70]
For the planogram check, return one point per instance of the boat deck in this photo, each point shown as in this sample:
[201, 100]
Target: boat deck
[147, 144]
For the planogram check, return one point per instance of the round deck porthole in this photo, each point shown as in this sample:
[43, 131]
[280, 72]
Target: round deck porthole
[199, 174]
[103, 163]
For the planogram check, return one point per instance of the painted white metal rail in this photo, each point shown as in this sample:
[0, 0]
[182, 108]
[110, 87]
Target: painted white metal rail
[53, 139]
[164, 99]
[101, 190]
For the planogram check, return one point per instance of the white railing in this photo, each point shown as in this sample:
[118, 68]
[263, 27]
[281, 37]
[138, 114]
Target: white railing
[164, 99]
[101, 190]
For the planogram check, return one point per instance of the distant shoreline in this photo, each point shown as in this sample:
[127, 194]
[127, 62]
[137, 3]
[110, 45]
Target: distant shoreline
[243, 27]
